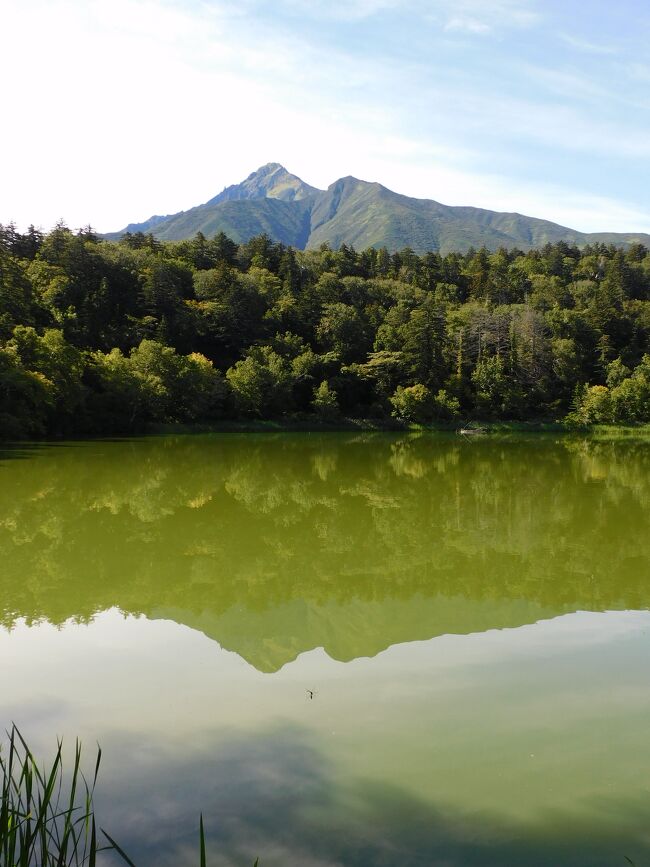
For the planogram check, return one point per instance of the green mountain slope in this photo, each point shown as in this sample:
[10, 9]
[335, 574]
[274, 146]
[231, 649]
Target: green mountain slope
[360, 214]
[288, 222]
[369, 215]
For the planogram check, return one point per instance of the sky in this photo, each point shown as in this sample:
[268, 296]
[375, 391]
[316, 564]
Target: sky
[114, 110]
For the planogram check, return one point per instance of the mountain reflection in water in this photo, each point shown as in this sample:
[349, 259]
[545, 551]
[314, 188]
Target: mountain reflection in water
[415, 583]
[273, 545]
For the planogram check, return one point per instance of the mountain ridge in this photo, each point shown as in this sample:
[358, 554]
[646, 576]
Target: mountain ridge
[359, 213]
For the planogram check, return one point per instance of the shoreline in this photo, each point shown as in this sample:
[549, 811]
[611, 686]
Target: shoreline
[355, 425]
[365, 425]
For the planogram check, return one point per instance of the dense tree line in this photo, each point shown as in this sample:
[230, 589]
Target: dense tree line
[99, 337]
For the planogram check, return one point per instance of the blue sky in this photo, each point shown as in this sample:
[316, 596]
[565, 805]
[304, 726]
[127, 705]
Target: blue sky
[126, 108]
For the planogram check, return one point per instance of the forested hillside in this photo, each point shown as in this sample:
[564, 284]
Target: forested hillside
[99, 337]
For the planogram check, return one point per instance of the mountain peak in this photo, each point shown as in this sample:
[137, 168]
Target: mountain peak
[348, 180]
[270, 181]
[268, 168]
[349, 183]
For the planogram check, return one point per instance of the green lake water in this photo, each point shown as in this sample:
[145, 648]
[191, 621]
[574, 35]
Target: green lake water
[471, 616]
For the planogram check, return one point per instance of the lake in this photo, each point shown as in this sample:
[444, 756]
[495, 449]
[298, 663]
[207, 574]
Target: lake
[472, 618]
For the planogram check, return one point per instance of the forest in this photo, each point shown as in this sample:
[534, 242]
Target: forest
[101, 337]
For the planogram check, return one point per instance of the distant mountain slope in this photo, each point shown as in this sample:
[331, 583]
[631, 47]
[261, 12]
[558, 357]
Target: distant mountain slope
[145, 226]
[288, 222]
[361, 214]
[369, 215]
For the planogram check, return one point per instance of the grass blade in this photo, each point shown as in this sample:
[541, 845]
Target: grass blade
[117, 848]
[202, 841]
[92, 857]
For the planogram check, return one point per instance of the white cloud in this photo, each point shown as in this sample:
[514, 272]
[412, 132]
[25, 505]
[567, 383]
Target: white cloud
[143, 106]
[565, 121]
[476, 16]
[480, 18]
[569, 85]
[639, 71]
[341, 10]
[585, 45]
[469, 25]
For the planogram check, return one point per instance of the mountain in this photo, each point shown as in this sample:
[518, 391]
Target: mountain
[269, 637]
[360, 214]
[271, 181]
[270, 200]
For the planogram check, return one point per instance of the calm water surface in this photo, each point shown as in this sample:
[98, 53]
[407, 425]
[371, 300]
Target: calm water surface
[471, 616]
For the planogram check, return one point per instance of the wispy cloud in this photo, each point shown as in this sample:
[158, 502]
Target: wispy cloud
[571, 86]
[340, 10]
[474, 16]
[559, 126]
[639, 71]
[581, 44]
[481, 18]
[467, 25]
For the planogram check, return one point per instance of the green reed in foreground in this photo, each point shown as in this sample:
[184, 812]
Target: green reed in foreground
[48, 821]
[45, 820]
